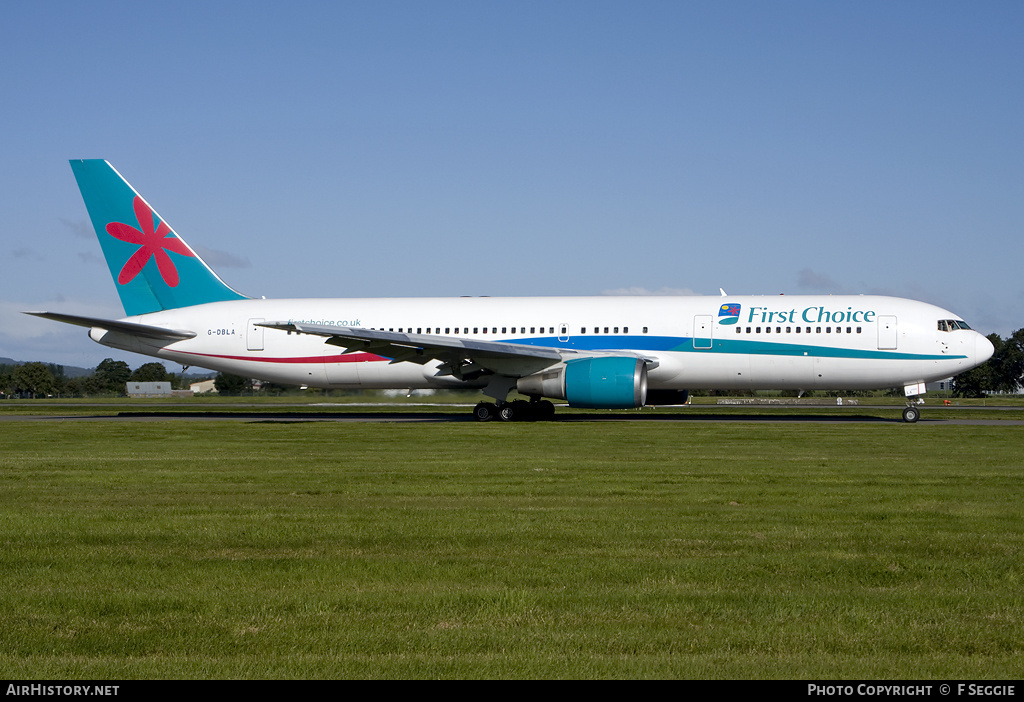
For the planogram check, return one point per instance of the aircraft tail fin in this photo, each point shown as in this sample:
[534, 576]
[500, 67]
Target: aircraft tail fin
[153, 268]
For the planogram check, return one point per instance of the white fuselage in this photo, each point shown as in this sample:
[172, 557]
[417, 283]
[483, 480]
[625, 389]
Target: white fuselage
[734, 342]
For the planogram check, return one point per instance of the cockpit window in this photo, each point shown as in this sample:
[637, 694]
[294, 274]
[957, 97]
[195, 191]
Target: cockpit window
[948, 325]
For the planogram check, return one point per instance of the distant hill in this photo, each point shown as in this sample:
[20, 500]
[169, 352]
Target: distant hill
[69, 371]
[76, 372]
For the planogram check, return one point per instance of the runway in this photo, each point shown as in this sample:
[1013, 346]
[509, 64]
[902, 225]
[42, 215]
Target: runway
[429, 414]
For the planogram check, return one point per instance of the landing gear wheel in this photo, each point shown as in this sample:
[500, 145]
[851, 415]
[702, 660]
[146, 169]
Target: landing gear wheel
[508, 413]
[911, 414]
[485, 412]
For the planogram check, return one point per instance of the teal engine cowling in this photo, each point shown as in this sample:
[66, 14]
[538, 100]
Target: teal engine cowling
[606, 382]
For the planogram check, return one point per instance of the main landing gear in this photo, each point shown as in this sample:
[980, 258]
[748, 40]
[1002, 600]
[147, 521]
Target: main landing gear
[515, 411]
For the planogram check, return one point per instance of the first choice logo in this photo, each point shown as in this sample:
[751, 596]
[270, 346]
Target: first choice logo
[729, 313]
[810, 315]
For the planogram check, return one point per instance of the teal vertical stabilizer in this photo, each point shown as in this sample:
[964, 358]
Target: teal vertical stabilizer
[152, 267]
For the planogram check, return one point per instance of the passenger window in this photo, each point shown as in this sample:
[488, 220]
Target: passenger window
[625, 330]
[645, 330]
[616, 330]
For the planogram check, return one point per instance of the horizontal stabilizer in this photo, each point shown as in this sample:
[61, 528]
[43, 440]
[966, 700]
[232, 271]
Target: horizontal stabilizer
[132, 328]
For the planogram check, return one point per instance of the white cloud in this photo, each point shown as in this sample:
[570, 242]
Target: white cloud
[26, 254]
[80, 228]
[221, 259]
[636, 290]
[813, 281]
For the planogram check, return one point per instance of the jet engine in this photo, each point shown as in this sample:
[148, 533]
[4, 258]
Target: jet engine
[605, 382]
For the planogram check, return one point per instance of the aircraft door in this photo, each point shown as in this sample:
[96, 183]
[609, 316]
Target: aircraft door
[254, 335]
[887, 332]
[563, 332]
[702, 326]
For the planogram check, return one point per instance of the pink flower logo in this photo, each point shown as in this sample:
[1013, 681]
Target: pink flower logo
[150, 244]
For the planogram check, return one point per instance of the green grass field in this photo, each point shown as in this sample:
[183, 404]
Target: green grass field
[266, 549]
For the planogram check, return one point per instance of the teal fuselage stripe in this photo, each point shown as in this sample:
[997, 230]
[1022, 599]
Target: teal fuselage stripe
[682, 344]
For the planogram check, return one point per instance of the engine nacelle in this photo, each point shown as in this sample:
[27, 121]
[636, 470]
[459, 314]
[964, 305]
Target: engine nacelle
[606, 382]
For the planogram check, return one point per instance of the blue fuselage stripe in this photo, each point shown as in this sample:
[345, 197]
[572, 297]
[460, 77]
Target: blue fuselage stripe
[721, 346]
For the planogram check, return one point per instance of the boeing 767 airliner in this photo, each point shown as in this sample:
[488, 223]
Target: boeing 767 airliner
[595, 352]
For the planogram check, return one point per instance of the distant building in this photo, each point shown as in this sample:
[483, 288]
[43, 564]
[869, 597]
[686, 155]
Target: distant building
[940, 385]
[156, 389]
[203, 386]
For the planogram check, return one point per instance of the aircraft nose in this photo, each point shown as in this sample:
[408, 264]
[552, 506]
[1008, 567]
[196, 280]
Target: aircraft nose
[983, 349]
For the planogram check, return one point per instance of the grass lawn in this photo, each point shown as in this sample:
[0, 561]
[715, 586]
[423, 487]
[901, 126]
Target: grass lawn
[226, 549]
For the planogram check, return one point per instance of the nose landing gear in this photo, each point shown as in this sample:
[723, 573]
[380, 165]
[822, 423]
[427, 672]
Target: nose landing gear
[911, 414]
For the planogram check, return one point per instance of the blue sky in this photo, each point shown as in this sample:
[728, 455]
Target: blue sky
[397, 149]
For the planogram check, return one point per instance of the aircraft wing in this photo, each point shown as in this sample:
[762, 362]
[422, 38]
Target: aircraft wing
[133, 328]
[457, 354]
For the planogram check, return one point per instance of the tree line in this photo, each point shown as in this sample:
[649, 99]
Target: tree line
[37, 379]
[1003, 373]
